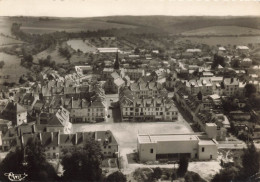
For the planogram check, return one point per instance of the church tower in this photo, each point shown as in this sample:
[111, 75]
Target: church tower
[116, 64]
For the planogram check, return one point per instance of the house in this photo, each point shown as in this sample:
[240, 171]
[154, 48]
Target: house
[151, 89]
[108, 50]
[146, 108]
[231, 86]
[134, 74]
[246, 63]
[5, 125]
[28, 100]
[15, 113]
[115, 81]
[82, 70]
[242, 49]
[195, 86]
[57, 122]
[107, 38]
[222, 51]
[240, 115]
[49, 140]
[108, 143]
[57, 144]
[155, 147]
[12, 136]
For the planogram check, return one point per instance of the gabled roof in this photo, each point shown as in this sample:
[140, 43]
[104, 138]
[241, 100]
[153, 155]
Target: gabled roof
[14, 107]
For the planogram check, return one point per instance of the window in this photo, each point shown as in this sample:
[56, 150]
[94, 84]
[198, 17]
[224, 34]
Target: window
[151, 151]
[109, 147]
[203, 149]
[54, 148]
[105, 147]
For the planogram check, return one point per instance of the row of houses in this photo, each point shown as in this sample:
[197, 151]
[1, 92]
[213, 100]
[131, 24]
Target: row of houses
[215, 85]
[146, 102]
[207, 110]
[57, 143]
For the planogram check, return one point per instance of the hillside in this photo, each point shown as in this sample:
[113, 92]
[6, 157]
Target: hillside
[137, 24]
[222, 30]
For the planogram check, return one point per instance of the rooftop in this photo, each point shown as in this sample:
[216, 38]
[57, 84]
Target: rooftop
[153, 138]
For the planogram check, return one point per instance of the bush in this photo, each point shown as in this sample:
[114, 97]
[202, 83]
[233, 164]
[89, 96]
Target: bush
[183, 166]
[157, 173]
[174, 175]
[116, 177]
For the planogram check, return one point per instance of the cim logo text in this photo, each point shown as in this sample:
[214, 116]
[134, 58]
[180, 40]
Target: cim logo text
[15, 177]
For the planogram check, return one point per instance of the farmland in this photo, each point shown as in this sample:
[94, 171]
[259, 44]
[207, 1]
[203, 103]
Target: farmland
[222, 30]
[224, 41]
[68, 25]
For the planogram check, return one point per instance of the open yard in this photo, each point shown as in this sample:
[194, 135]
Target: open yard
[12, 68]
[126, 133]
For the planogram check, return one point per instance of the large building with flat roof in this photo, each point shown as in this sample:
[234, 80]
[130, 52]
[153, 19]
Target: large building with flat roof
[173, 146]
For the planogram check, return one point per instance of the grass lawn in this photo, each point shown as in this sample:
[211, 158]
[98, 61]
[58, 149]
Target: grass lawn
[8, 41]
[12, 68]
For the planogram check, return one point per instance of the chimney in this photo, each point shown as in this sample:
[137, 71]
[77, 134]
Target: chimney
[33, 128]
[51, 136]
[40, 134]
[38, 119]
[22, 141]
[61, 100]
[76, 138]
[59, 138]
[82, 103]
[82, 136]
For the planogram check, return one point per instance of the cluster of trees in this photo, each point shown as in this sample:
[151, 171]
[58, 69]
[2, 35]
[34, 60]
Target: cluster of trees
[250, 167]
[39, 42]
[47, 62]
[250, 89]
[27, 61]
[30, 160]
[80, 164]
[218, 60]
[65, 53]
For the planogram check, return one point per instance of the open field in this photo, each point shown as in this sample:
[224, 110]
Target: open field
[222, 30]
[135, 24]
[69, 25]
[224, 41]
[54, 53]
[84, 46]
[12, 68]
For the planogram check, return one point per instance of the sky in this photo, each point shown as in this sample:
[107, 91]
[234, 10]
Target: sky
[93, 8]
